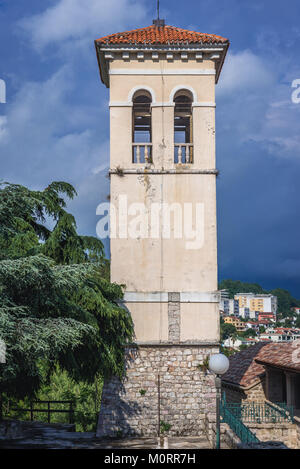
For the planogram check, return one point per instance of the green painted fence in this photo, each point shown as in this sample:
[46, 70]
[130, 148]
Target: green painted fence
[236, 424]
[261, 412]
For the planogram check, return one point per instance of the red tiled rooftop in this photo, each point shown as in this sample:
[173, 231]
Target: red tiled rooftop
[281, 355]
[243, 370]
[246, 366]
[162, 35]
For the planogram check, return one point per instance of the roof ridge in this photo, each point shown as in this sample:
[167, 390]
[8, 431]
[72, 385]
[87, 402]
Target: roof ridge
[247, 365]
[160, 34]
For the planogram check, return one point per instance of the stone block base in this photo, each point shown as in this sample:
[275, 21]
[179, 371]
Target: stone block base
[162, 383]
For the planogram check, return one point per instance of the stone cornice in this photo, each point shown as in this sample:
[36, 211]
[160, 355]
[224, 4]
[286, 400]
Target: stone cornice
[163, 297]
[180, 169]
[162, 47]
[162, 104]
[170, 52]
[174, 344]
[179, 71]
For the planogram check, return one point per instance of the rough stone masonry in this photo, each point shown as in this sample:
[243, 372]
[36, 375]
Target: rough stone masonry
[133, 407]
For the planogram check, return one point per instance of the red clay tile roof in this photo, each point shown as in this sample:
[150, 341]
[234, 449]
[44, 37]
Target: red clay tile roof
[243, 370]
[281, 355]
[163, 35]
[246, 367]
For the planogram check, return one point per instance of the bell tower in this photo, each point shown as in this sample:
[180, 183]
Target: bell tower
[163, 222]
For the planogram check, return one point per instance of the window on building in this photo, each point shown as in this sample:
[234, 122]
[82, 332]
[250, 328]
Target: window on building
[141, 128]
[183, 127]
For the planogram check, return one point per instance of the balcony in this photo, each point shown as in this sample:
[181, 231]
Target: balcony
[183, 153]
[142, 153]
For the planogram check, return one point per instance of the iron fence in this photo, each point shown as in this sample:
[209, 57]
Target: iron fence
[236, 424]
[261, 412]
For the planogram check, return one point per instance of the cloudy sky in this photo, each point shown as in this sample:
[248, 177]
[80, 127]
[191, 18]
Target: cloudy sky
[54, 125]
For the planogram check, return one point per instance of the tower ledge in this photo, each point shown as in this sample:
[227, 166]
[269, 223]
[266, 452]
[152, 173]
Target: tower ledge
[160, 42]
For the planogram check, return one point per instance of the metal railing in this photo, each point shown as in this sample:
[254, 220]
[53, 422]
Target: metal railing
[142, 152]
[48, 410]
[236, 424]
[261, 412]
[183, 153]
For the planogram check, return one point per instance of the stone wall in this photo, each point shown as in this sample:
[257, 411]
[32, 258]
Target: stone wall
[285, 433]
[227, 436]
[209, 426]
[255, 393]
[174, 317]
[187, 393]
[297, 423]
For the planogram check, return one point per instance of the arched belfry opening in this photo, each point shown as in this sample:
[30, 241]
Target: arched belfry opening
[141, 127]
[183, 127]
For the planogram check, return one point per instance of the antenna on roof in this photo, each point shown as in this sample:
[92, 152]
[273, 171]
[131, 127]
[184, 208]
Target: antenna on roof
[158, 22]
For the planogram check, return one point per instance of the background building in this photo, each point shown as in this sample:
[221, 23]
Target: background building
[229, 306]
[249, 306]
[257, 303]
[236, 322]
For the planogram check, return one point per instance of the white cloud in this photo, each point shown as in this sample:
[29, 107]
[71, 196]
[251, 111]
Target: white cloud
[3, 128]
[78, 19]
[257, 104]
[244, 71]
[58, 128]
[279, 124]
[47, 136]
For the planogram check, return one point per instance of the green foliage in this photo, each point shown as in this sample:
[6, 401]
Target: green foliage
[23, 214]
[86, 395]
[227, 330]
[164, 427]
[287, 323]
[285, 300]
[243, 347]
[57, 305]
[236, 286]
[248, 333]
[204, 366]
[66, 247]
[61, 387]
[228, 351]
[37, 320]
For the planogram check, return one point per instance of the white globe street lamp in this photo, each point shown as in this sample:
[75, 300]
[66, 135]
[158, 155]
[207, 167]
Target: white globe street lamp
[218, 364]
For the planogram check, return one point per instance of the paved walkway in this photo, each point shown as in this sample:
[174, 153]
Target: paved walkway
[152, 443]
[41, 436]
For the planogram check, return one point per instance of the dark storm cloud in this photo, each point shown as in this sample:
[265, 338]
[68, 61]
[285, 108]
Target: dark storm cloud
[55, 124]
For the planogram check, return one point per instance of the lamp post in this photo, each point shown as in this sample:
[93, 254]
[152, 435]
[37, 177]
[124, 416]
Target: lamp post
[218, 364]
